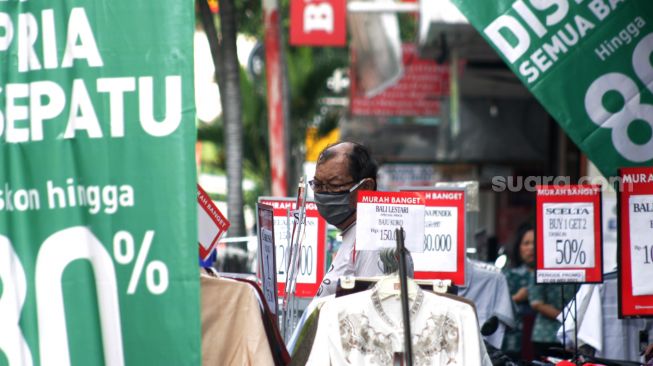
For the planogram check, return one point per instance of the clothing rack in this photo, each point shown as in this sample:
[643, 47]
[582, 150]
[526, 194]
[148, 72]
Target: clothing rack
[574, 317]
[289, 304]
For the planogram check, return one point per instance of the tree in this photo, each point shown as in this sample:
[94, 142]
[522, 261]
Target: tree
[231, 106]
[225, 58]
[308, 69]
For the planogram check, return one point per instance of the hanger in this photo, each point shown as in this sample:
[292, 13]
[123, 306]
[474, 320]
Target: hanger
[441, 286]
[389, 286]
[348, 285]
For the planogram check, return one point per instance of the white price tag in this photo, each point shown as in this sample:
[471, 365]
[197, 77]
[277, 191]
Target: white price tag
[308, 253]
[440, 241]
[267, 259]
[379, 216]
[568, 235]
[307, 270]
[281, 242]
[641, 243]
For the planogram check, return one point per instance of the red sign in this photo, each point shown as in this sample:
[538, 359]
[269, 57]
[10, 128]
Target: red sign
[318, 23]
[418, 92]
[212, 224]
[568, 237]
[635, 242]
[444, 236]
[312, 252]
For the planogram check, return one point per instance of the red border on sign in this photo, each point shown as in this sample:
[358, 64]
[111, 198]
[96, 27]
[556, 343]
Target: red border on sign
[221, 221]
[458, 277]
[630, 305]
[280, 206]
[565, 194]
[390, 198]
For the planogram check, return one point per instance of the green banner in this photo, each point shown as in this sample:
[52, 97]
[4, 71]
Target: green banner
[588, 62]
[98, 233]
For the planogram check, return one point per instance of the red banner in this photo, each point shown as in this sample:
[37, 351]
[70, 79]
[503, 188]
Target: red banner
[417, 93]
[635, 242]
[318, 23]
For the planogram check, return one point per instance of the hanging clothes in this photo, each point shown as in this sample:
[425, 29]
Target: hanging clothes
[487, 287]
[599, 325]
[270, 323]
[311, 308]
[232, 327]
[363, 329]
[305, 340]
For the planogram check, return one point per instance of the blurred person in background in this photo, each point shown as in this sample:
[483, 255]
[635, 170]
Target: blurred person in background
[548, 300]
[519, 274]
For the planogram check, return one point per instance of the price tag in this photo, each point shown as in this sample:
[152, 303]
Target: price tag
[312, 251]
[641, 243]
[569, 234]
[444, 235]
[635, 242]
[308, 253]
[379, 214]
[441, 237]
[267, 267]
[306, 272]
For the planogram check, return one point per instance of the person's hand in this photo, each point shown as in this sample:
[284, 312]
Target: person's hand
[521, 295]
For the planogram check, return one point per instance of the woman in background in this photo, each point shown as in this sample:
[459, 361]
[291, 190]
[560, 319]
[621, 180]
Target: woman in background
[519, 274]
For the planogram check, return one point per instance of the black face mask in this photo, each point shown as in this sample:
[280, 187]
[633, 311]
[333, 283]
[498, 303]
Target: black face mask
[335, 207]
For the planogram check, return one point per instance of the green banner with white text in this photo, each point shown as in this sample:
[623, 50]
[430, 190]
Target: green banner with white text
[588, 62]
[98, 233]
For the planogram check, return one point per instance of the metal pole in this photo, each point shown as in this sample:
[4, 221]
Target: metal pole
[575, 316]
[408, 346]
[287, 266]
[562, 300]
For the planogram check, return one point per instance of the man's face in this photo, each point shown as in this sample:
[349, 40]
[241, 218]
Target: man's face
[333, 175]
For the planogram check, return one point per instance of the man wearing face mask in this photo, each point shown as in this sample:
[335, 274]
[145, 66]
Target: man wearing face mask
[342, 170]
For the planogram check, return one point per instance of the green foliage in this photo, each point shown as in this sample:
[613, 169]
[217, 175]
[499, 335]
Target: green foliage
[249, 17]
[255, 141]
[308, 69]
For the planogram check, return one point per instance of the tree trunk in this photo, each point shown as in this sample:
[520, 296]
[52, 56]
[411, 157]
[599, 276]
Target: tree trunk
[227, 71]
[231, 105]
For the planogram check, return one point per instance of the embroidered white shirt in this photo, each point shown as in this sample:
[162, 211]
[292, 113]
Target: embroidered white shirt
[362, 329]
